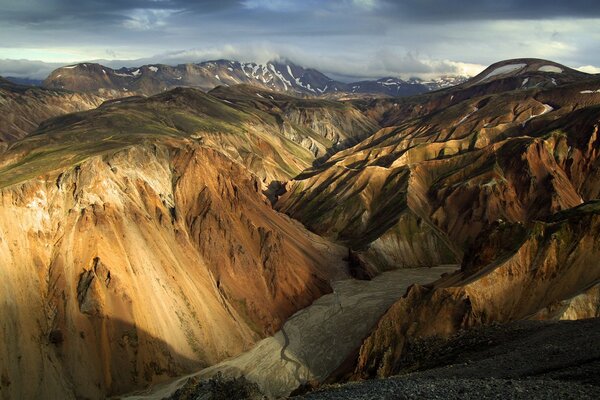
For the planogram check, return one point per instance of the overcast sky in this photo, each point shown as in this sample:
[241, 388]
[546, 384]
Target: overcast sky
[345, 38]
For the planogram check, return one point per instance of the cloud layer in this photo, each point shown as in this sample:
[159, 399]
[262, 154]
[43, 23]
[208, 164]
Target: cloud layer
[346, 38]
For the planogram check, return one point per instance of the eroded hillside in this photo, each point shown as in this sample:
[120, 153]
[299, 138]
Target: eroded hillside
[503, 181]
[134, 250]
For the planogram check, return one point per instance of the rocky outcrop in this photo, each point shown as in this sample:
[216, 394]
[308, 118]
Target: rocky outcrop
[541, 270]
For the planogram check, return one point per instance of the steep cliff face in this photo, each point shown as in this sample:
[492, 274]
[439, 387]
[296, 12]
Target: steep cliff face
[23, 108]
[420, 193]
[141, 263]
[541, 270]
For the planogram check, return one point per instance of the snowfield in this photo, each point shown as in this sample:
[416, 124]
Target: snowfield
[550, 68]
[547, 109]
[503, 70]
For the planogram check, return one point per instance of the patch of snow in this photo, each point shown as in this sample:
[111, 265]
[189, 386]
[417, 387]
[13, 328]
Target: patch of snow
[104, 72]
[388, 83]
[290, 72]
[554, 82]
[59, 75]
[127, 75]
[153, 68]
[178, 78]
[254, 70]
[589, 91]
[136, 72]
[550, 68]
[244, 66]
[125, 89]
[505, 69]
[280, 76]
[547, 109]
[71, 66]
[524, 82]
[463, 119]
[230, 69]
[259, 95]
[217, 76]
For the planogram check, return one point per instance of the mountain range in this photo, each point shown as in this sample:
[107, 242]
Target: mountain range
[253, 223]
[278, 76]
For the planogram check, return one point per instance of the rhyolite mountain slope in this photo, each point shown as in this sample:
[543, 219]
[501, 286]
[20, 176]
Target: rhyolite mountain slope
[321, 126]
[420, 192]
[501, 179]
[275, 138]
[541, 270]
[279, 76]
[22, 108]
[135, 248]
[501, 77]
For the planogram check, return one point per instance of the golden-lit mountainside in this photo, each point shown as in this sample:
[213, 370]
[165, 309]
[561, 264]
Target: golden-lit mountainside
[420, 192]
[130, 256]
[151, 237]
[503, 183]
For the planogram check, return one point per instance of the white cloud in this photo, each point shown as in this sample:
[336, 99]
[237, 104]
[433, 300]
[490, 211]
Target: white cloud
[366, 4]
[590, 69]
[147, 19]
[273, 5]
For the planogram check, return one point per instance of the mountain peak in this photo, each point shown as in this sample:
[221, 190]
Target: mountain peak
[531, 71]
[280, 75]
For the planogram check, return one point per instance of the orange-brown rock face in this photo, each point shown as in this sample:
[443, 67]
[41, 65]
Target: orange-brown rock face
[504, 183]
[540, 271]
[420, 193]
[143, 264]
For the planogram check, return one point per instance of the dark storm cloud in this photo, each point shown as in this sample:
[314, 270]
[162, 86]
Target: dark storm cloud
[359, 38]
[485, 10]
[99, 11]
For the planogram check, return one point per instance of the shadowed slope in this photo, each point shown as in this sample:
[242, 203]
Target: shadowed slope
[22, 107]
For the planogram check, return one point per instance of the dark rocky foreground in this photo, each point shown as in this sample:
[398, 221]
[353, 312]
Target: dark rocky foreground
[521, 360]
[407, 387]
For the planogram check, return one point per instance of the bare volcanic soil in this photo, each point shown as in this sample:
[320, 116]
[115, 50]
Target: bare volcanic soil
[520, 360]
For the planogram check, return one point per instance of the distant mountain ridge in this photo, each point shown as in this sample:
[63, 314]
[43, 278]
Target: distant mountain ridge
[278, 76]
